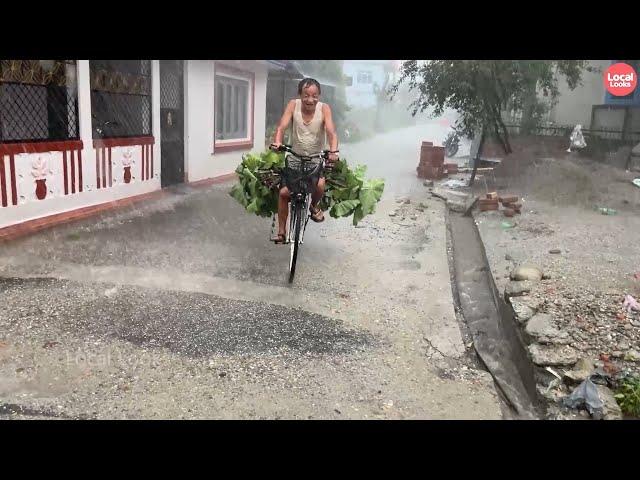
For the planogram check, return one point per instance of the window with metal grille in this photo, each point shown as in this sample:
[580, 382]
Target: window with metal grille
[365, 78]
[232, 108]
[38, 100]
[120, 98]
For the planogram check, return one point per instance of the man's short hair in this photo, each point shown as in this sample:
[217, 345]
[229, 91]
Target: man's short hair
[307, 82]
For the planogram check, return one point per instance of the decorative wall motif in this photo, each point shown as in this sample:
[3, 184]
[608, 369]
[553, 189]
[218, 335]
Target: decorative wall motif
[128, 151]
[54, 168]
[126, 163]
[35, 72]
[39, 170]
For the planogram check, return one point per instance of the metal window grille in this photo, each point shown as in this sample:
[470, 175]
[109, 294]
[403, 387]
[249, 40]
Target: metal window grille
[232, 108]
[38, 100]
[365, 78]
[120, 98]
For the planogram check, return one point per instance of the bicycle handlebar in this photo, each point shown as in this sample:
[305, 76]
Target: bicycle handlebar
[287, 148]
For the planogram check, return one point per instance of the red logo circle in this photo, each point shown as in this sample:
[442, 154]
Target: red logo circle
[620, 79]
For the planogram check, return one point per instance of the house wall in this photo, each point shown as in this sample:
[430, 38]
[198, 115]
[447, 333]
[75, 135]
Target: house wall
[575, 106]
[361, 95]
[47, 178]
[202, 159]
[33, 182]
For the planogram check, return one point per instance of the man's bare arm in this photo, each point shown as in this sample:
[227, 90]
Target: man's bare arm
[284, 122]
[330, 128]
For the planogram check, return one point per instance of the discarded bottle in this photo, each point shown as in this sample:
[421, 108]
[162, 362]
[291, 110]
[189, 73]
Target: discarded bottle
[507, 225]
[607, 211]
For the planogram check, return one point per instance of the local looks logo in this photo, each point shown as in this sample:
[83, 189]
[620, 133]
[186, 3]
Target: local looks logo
[620, 79]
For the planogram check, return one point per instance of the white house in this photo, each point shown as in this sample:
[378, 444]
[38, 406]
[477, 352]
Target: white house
[77, 135]
[576, 106]
[362, 77]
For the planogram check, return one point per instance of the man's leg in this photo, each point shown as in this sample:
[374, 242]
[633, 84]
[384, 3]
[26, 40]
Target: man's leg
[318, 192]
[283, 210]
[316, 196]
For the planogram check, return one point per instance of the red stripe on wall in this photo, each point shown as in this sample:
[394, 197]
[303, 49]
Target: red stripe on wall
[142, 164]
[98, 167]
[64, 173]
[104, 168]
[3, 186]
[73, 172]
[80, 170]
[39, 147]
[14, 188]
[122, 142]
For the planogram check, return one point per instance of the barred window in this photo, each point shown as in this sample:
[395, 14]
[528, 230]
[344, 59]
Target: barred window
[365, 78]
[38, 100]
[120, 98]
[232, 108]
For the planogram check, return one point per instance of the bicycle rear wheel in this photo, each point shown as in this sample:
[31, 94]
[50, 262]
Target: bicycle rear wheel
[296, 226]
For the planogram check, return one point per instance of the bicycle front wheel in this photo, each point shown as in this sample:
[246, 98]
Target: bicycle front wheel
[296, 227]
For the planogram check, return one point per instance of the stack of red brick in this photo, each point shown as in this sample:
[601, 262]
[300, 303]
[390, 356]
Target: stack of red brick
[431, 162]
[451, 168]
[511, 205]
[492, 201]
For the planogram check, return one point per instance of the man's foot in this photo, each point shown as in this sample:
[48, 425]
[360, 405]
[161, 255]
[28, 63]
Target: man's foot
[279, 238]
[316, 214]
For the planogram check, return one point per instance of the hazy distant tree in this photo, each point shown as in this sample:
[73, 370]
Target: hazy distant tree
[479, 90]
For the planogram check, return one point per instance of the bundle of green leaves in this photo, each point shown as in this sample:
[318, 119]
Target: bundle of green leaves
[347, 191]
[258, 178]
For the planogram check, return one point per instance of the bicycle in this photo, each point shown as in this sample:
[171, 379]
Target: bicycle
[299, 169]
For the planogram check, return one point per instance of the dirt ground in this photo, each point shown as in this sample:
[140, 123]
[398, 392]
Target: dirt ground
[598, 260]
[551, 174]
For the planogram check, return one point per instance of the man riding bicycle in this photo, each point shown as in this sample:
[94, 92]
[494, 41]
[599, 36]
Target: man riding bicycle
[312, 126]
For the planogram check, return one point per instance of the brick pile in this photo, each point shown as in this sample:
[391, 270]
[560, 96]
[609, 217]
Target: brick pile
[510, 203]
[431, 162]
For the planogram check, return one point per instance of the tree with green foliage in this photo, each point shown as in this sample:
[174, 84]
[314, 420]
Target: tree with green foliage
[480, 90]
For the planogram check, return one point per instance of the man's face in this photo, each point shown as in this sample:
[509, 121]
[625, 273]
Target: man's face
[310, 96]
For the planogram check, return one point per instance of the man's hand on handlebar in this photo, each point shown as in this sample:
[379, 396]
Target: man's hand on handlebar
[332, 157]
[275, 147]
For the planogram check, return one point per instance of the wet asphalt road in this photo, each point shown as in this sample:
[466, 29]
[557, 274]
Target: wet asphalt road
[179, 308]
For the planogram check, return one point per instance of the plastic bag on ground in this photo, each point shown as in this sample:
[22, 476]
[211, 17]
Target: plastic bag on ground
[577, 139]
[586, 394]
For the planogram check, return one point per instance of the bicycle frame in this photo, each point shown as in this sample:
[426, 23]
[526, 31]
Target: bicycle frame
[302, 197]
[305, 205]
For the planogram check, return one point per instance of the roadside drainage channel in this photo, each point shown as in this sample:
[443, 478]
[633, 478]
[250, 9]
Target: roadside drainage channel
[490, 320]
